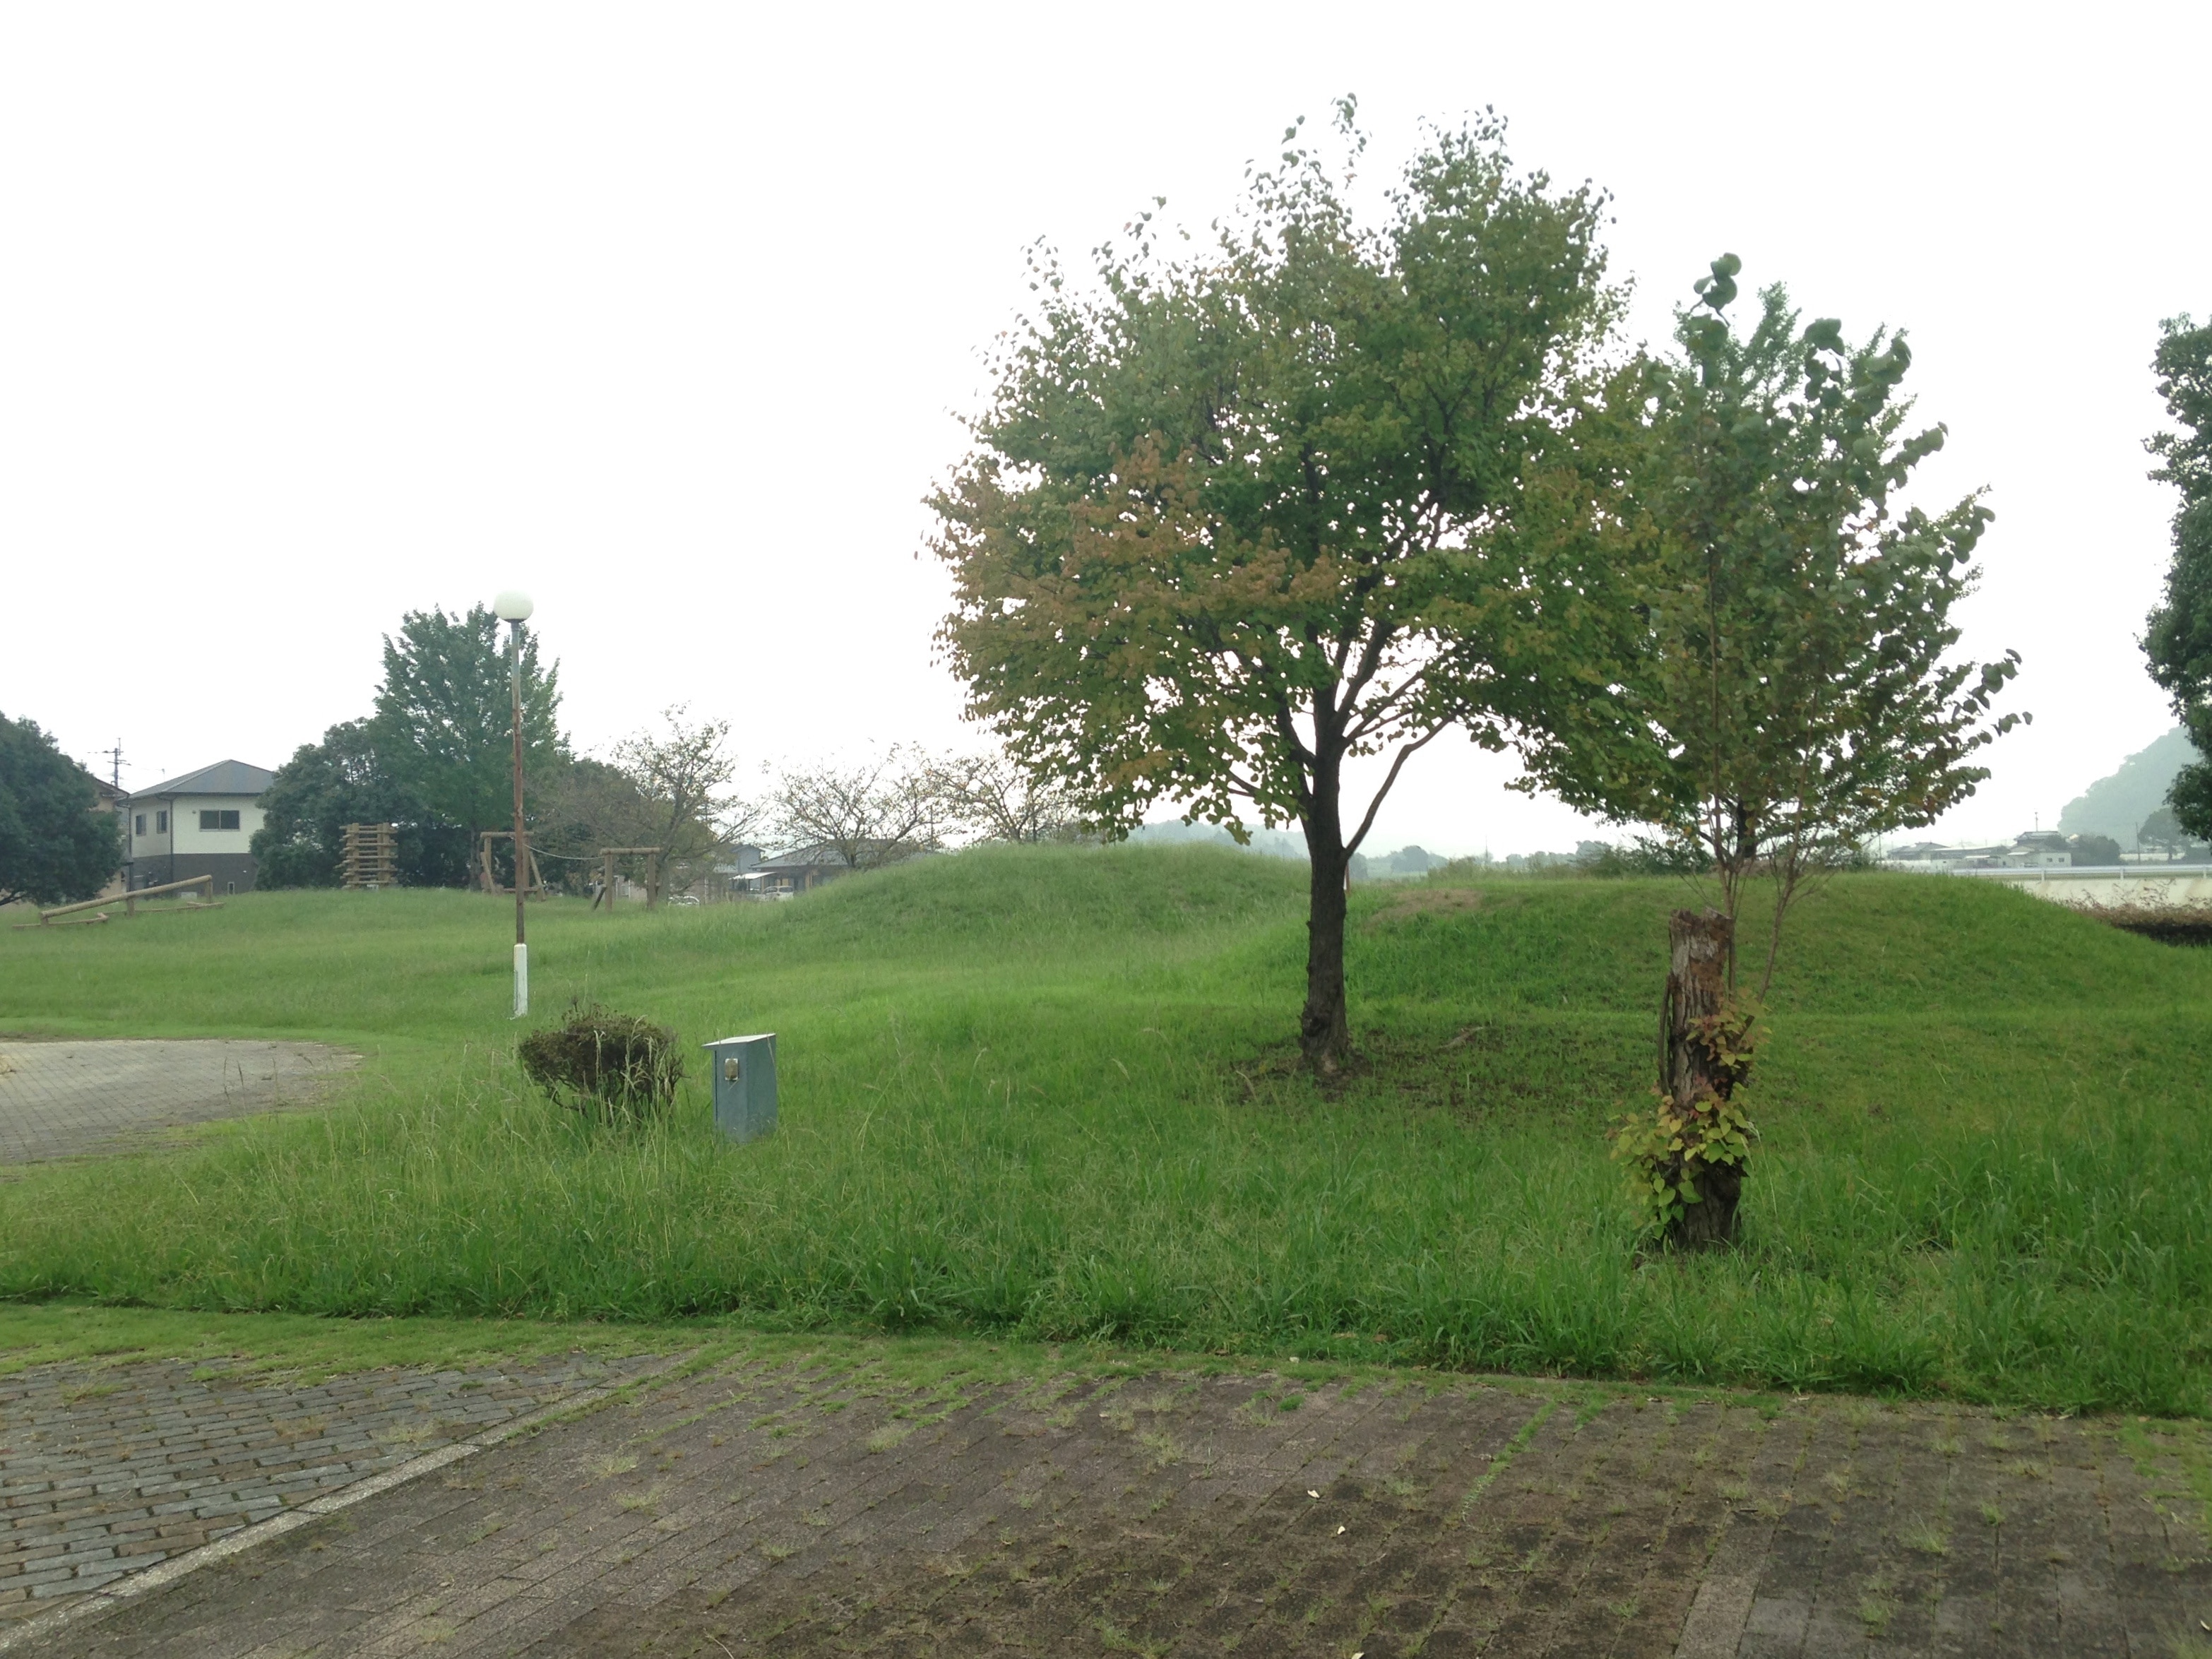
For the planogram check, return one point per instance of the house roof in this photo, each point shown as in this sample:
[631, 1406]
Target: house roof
[825, 854]
[227, 777]
[799, 858]
[109, 794]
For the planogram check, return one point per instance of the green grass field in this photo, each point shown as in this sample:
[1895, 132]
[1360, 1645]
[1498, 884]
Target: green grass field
[1048, 1095]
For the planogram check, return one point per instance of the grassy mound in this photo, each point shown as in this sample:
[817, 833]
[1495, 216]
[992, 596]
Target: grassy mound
[1047, 1092]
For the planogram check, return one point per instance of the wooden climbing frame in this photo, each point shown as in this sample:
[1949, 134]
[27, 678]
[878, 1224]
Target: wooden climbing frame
[491, 882]
[607, 857]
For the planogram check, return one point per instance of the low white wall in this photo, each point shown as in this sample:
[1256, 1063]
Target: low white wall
[2191, 884]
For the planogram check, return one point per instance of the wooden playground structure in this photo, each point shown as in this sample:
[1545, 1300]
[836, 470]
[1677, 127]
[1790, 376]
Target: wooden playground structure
[605, 895]
[129, 901]
[370, 862]
[491, 881]
[607, 857]
[370, 856]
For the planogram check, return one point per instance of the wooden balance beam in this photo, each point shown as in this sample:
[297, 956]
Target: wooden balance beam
[46, 917]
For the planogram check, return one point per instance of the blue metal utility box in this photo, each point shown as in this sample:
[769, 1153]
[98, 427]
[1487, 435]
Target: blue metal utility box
[745, 1085]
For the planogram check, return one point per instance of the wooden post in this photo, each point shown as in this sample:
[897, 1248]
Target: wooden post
[652, 876]
[1698, 942]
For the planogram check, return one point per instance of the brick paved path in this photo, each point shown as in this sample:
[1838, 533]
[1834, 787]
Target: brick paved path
[61, 1099]
[107, 1471]
[745, 1510]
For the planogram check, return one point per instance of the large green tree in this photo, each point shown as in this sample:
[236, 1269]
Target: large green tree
[340, 781]
[2179, 641]
[57, 846]
[1236, 519]
[1784, 685]
[442, 726]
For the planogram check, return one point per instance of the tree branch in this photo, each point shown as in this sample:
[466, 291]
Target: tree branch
[1396, 766]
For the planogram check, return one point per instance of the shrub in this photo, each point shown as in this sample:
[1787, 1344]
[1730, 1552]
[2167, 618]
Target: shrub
[619, 1064]
[1647, 855]
[2169, 924]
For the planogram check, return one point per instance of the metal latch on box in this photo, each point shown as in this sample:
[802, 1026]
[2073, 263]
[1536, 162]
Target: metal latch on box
[745, 1085]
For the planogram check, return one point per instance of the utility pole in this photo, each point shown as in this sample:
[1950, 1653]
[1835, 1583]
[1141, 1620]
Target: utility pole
[513, 608]
[122, 805]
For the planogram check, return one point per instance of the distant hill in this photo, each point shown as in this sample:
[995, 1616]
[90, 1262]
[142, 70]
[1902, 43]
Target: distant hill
[1289, 844]
[2117, 805]
[1275, 843]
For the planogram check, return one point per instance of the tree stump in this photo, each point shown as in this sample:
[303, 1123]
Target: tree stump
[1699, 943]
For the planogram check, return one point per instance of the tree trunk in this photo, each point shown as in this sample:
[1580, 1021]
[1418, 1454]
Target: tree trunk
[1700, 944]
[1324, 1037]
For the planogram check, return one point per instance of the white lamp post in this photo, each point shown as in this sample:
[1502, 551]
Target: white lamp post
[513, 608]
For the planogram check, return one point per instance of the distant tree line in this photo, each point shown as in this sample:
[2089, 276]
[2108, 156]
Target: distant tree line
[433, 757]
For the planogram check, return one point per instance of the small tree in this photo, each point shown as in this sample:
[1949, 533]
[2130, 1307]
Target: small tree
[869, 813]
[57, 844]
[2179, 639]
[1785, 690]
[1232, 522]
[682, 775]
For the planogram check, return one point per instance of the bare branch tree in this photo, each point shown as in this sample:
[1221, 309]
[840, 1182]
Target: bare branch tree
[682, 775]
[994, 798]
[869, 813]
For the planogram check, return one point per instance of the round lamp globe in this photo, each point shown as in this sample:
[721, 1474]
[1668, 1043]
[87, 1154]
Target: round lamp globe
[513, 605]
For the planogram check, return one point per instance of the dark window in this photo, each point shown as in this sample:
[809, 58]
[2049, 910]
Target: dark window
[141, 829]
[227, 819]
[161, 824]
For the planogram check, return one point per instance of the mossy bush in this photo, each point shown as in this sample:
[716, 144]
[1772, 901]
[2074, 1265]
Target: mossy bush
[598, 1061]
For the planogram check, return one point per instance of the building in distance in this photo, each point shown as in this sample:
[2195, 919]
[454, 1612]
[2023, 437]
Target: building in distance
[200, 825]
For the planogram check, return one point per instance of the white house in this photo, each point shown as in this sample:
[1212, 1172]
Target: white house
[2038, 849]
[2031, 850]
[200, 824]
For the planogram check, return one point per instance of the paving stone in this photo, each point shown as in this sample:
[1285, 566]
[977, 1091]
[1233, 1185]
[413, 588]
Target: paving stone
[146, 1505]
[731, 1513]
[70, 1099]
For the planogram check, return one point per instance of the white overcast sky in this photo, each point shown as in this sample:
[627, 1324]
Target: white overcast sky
[312, 315]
